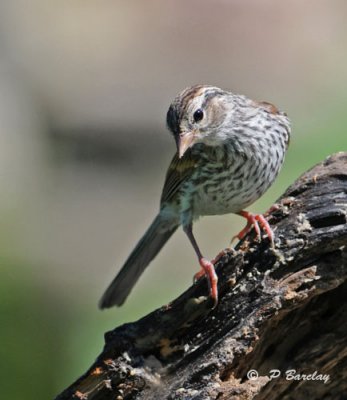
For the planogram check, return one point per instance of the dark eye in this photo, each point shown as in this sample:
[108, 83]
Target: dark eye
[198, 115]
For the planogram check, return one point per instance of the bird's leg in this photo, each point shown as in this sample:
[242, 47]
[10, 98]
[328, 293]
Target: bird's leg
[257, 221]
[207, 268]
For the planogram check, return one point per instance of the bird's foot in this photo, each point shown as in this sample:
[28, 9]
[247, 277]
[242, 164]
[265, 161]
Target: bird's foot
[199, 275]
[207, 269]
[202, 273]
[285, 203]
[259, 222]
[275, 207]
[221, 254]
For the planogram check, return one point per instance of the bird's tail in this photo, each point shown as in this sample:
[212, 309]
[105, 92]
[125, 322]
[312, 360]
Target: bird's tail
[146, 249]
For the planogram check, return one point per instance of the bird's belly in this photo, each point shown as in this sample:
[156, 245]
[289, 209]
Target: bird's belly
[217, 199]
[230, 191]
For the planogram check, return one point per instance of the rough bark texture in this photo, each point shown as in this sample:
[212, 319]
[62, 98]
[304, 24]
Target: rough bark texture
[280, 308]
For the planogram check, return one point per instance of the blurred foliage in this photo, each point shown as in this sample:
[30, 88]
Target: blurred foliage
[31, 350]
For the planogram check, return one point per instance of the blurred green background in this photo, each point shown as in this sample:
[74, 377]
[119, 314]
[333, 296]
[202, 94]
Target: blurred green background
[84, 89]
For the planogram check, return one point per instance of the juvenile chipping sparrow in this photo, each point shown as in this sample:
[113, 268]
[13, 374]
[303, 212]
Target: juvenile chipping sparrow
[229, 151]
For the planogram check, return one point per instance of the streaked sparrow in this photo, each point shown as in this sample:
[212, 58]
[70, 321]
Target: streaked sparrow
[229, 151]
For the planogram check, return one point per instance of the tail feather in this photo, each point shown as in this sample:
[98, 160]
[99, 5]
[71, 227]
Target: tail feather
[146, 249]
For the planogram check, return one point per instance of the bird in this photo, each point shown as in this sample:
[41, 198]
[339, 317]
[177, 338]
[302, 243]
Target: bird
[229, 150]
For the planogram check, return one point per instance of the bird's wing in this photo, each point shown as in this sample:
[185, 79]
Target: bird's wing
[179, 171]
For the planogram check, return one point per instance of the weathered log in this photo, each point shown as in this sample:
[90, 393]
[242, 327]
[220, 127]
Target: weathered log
[281, 308]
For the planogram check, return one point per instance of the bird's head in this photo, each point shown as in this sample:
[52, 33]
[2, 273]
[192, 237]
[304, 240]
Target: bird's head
[196, 116]
[210, 115]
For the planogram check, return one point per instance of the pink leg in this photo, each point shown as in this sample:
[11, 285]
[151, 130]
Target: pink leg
[201, 273]
[212, 279]
[267, 228]
[207, 267]
[257, 221]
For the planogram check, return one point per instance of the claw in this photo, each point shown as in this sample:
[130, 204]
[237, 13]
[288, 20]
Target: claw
[207, 269]
[257, 221]
[219, 256]
[266, 227]
[198, 275]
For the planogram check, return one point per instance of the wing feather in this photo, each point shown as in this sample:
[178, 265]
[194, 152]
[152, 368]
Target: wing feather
[179, 171]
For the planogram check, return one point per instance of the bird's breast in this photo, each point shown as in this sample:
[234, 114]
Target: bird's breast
[232, 183]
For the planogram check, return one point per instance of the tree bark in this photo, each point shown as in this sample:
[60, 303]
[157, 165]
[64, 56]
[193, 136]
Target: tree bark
[281, 308]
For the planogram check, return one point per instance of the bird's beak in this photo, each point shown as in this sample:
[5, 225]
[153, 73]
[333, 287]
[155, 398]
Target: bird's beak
[184, 141]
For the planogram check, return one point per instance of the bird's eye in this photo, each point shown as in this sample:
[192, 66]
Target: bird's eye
[198, 115]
